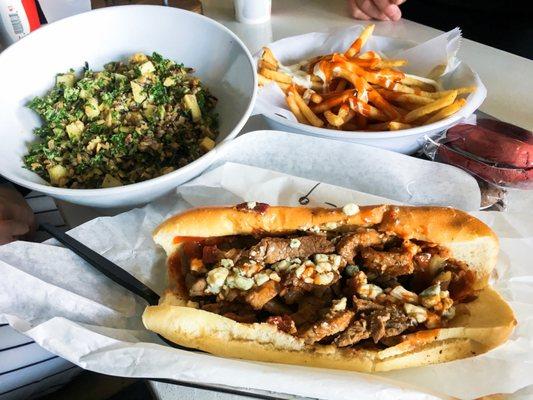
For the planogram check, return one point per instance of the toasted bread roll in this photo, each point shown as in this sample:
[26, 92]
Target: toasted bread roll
[477, 326]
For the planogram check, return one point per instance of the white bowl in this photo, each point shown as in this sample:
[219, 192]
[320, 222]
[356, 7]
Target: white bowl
[28, 69]
[405, 141]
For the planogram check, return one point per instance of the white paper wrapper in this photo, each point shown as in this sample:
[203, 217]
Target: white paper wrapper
[73, 311]
[363, 168]
[422, 59]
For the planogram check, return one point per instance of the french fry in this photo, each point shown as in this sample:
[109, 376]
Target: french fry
[425, 86]
[269, 57]
[431, 107]
[391, 63]
[367, 110]
[437, 72]
[446, 111]
[403, 98]
[381, 126]
[306, 111]
[341, 85]
[375, 98]
[396, 126]
[344, 115]
[316, 98]
[361, 121]
[358, 44]
[262, 80]
[332, 101]
[350, 126]
[275, 75]
[291, 102]
[460, 91]
[358, 82]
[266, 65]
[368, 55]
[389, 126]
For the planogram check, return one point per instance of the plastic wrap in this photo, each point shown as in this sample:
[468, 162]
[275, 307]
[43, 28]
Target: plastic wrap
[498, 154]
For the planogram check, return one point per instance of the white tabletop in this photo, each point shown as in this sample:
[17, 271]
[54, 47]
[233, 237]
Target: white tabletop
[508, 78]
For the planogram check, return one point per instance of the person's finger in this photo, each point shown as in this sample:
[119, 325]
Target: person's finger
[10, 229]
[397, 2]
[356, 12]
[16, 212]
[391, 10]
[370, 9]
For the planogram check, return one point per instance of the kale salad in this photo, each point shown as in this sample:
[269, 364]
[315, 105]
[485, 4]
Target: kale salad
[131, 122]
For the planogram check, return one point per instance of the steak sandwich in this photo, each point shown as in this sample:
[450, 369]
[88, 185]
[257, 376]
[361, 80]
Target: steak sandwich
[374, 288]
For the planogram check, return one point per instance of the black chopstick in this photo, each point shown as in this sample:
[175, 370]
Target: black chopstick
[102, 264]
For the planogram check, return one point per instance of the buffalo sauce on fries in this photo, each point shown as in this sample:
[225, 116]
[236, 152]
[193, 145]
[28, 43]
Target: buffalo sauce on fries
[321, 90]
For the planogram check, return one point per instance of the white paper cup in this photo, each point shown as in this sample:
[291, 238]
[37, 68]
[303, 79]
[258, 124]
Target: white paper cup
[252, 11]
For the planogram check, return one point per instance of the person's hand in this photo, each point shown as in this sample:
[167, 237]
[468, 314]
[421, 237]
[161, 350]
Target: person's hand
[16, 216]
[384, 10]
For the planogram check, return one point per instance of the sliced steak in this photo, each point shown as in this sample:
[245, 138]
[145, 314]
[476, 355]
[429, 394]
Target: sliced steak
[388, 322]
[283, 323]
[356, 332]
[261, 295]
[377, 324]
[270, 249]
[309, 309]
[196, 286]
[349, 244]
[392, 263]
[211, 254]
[361, 305]
[276, 307]
[331, 324]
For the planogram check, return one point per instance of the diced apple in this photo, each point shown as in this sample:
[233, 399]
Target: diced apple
[192, 105]
[169, 82]
[75, 129]
[138, 93]
[139, 58]
[57, 173]
[110, 181]
[207, 144]
[146, 68]
[91, 108]
[67, 80]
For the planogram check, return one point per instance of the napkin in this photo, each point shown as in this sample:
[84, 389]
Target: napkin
[54, 297]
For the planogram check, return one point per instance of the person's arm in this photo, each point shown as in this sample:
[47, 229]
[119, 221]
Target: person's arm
[384, 10]
[16, 216]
